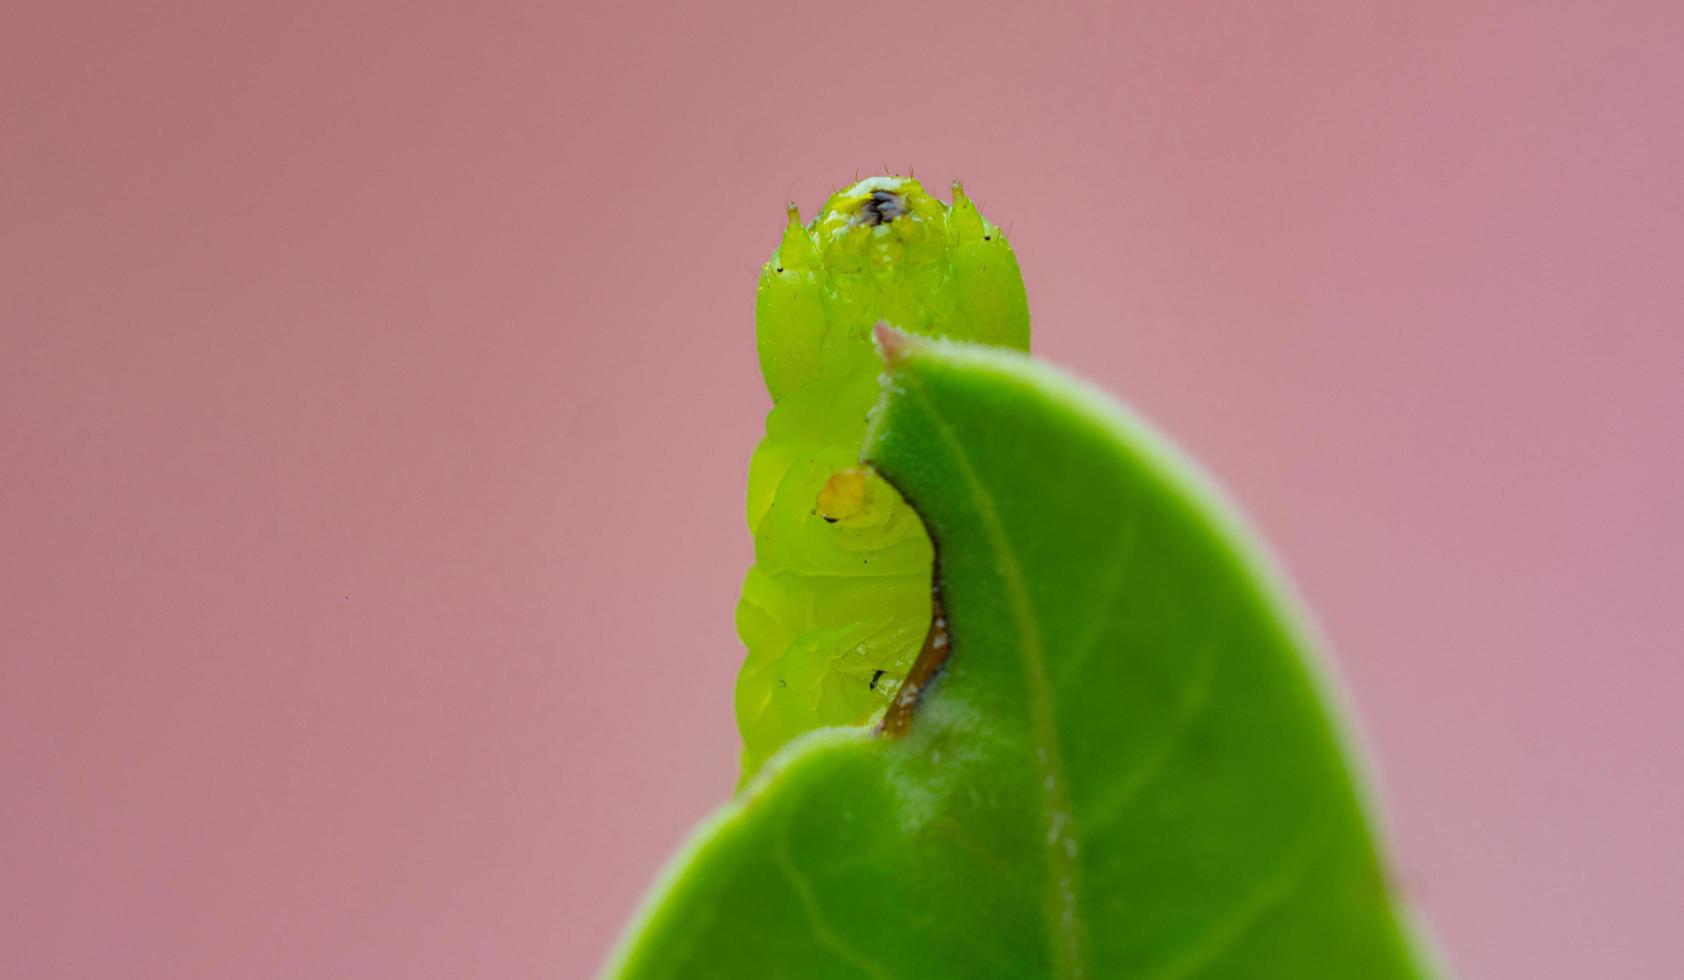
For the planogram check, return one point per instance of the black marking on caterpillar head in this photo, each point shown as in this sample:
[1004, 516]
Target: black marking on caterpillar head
[883, 206]
[875, 677]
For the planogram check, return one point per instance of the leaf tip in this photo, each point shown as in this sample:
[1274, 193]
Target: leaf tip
[895, 345]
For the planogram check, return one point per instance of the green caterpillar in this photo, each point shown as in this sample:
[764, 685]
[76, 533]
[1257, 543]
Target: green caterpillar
[838, 601]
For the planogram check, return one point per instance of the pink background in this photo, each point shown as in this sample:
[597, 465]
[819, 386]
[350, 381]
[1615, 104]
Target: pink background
[378, 388]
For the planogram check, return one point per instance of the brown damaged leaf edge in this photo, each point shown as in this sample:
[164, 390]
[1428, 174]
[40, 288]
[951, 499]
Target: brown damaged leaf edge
[932, 656]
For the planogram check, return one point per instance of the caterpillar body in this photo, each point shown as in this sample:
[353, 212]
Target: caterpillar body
[838, 601]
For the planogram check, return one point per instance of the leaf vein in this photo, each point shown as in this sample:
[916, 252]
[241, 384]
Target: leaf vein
[1244, 915]
[1193, 702]
[1088, 642]
[816, 918]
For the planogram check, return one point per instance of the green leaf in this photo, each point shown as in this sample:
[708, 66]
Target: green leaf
[1125, 768]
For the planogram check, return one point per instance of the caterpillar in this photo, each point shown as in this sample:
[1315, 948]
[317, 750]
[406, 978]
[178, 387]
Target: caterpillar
[838, 601]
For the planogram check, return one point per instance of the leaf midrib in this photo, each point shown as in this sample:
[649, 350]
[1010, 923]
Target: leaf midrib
[1061, 907]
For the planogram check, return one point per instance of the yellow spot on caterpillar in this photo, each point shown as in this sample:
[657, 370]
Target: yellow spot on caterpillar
[847, 494]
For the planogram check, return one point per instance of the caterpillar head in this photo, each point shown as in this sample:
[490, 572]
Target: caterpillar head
[882, 227]
[884, 249]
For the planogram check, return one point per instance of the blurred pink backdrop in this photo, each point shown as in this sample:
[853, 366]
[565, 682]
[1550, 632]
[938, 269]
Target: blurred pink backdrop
[378, 387]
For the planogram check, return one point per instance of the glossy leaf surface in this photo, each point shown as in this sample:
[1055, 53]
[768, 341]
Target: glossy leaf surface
[1126, 767]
